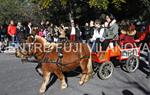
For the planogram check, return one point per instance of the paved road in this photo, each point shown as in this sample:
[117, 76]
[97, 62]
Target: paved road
[22, 79]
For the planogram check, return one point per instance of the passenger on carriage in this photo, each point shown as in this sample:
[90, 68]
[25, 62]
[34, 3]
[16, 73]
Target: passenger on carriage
[145, 36]
[111, 32]
[128, 32]
[104, 34]
[97, 35]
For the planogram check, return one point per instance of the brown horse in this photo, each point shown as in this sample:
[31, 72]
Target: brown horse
[74, 55]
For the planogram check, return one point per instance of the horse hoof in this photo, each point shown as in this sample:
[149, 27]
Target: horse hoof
[64, 86]
[42, 91]
[86, 80]
[81, 82]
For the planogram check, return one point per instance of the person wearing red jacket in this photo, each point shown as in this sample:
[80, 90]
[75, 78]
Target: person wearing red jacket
[145, 38]
[11, 31]
[128, 32]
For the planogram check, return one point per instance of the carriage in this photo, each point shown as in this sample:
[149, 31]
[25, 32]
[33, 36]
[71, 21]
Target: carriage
[103, 61]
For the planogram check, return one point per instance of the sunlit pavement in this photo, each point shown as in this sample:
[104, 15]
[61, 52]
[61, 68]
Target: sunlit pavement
[22, 79]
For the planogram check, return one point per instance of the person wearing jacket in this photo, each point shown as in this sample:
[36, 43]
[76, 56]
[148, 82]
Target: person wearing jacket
[78, 33]
[110, 32]
[98, 34]
[73, 31]
[11, 32]
[20, 35]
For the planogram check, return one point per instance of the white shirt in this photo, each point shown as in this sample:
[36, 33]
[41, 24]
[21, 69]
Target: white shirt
[73, 31]
[97, 34]
[30, 31]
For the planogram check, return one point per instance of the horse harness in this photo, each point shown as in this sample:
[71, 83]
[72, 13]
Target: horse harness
[58, 61]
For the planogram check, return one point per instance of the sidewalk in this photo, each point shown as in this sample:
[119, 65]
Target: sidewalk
[10, 49]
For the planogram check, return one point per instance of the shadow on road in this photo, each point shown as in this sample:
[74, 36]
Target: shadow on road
[74, 72]
[127, 92]
[144, 68]
[54, 78]
[143, 88]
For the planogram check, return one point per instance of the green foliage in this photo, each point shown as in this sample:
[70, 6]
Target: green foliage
[58, 10]
[46, 3]
[103, 4]
[18, 10]
[64, 2]
[117, 3]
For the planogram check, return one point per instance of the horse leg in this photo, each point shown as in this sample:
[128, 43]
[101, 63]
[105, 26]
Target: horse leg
[46, 77]
[61, 76]
[39, 69]
[89, 66]
[84, 76]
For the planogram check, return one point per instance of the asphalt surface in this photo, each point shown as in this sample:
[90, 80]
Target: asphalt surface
[22, 79]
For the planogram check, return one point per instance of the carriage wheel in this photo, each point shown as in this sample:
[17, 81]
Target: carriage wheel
[132, 64]
[105, 70]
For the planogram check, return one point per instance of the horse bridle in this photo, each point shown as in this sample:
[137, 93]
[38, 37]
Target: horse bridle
[32, 46]
[28, 54]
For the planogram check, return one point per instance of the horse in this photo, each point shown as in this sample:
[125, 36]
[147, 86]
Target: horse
[73, 56]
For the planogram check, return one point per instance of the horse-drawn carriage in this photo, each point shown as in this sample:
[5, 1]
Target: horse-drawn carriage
[35, 46]
[103, 60]
[128, 57]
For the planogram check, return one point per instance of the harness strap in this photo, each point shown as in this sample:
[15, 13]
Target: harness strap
[83, 57]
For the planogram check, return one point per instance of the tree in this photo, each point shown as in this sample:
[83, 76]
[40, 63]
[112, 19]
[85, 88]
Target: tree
[18, 10]
[79, 9]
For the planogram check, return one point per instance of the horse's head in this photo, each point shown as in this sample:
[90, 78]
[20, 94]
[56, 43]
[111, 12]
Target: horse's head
[34, 45]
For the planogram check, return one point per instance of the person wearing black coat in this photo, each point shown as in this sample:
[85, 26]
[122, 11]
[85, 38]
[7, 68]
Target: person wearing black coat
[78, 33]
[20, 33]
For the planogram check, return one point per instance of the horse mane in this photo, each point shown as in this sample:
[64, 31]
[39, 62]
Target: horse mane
[47, 44]
[39, 38]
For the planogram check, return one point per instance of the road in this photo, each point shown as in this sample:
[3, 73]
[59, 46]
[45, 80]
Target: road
[22, 79]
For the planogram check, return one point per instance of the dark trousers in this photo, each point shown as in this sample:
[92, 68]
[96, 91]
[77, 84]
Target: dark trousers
[95, 45]
[105, 44]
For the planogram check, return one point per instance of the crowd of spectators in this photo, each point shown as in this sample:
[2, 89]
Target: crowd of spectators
[105, 29]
